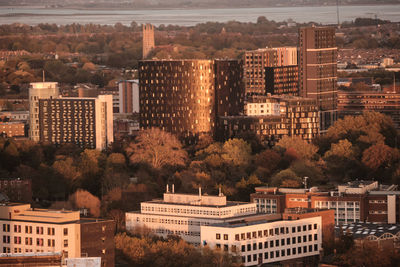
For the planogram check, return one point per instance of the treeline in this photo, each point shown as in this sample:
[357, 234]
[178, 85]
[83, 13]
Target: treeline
[363, 147]
[149, 250]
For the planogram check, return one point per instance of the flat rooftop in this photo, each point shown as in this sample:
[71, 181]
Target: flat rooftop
[363, 230]
[228, 203]
[357, 184]
[250, 220]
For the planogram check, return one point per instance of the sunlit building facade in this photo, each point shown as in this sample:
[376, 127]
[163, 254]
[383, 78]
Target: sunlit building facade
[185, 97]
[318, 70]
[256, 61]
[184, 214]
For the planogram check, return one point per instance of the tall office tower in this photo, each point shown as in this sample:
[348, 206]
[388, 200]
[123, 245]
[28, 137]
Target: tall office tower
[185, 96]
[38, 91]
[87, 122]
[282, 80]
[318, 70]
[128, 96]
[148, 39]
[256, 61]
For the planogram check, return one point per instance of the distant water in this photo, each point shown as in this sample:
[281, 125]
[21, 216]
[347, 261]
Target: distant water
[190, 17]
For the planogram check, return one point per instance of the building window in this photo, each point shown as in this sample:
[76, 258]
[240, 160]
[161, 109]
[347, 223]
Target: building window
[39, 230]
[65, 231]
[315, 226]
[39, 241]
[50, 231]
[225, 237]
[65, 242]
[218, 236]
[315, 236]
[254, 246]
[243, 248]
[6, 228]
[248, 258]
[260, 245]
[248, 247]
[266, 244]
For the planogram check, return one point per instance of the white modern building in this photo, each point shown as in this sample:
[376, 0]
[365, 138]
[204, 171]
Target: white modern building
[263, 106]
[184, 214]
[266, 241]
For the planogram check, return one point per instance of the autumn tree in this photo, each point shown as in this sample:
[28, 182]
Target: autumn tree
[84, 199]
[285, 177]
[365, 130]
[303, 149]
[156, 148]
[172, 252]
[343, 149]
[236, 152]
[380, 156]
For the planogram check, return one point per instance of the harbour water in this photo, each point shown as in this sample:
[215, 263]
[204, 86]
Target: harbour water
[190, 17]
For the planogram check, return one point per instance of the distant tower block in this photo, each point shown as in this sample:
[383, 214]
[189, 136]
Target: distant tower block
[148, 39]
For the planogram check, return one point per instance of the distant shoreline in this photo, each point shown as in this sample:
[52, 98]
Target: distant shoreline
[112, 8]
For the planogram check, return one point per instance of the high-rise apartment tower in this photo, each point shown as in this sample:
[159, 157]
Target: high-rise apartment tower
[256, 61]
[184, 97]
[39, 90]
[318, 70]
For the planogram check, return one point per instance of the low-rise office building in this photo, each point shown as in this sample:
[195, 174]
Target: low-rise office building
[353, 103]
[358, 201]
[183, 214]
[266, 241]
[28, 230]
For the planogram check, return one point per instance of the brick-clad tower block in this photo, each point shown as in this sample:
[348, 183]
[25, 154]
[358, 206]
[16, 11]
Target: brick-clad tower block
[148, 39]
